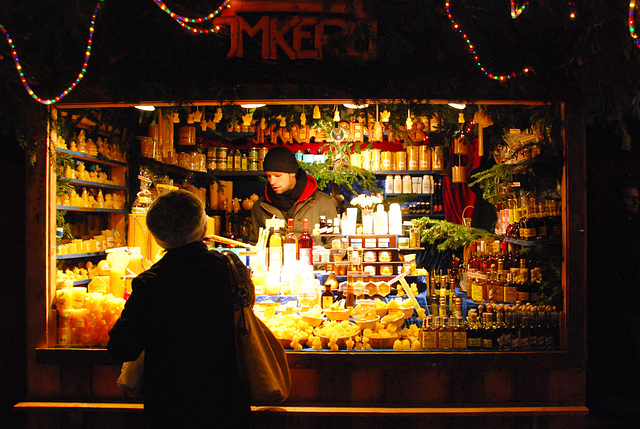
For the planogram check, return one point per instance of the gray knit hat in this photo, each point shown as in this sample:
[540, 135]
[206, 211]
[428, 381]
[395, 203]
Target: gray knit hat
[281, 159]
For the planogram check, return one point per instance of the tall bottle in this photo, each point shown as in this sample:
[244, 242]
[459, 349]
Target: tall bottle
[275, 250]
[489, 338]
[445, 334]
[305, 244]
[428, 334]
[527, 225]
[459, 333]
[523, 285]
[395, 219]
[474, 333]
[290, 244]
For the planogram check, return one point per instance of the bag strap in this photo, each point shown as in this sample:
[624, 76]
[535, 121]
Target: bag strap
[240, 296]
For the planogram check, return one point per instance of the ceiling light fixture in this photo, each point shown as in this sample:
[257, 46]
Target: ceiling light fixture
[458, 106]
[252, 106]
[355, 106]
[145, 107]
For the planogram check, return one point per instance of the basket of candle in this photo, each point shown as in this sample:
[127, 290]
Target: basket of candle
[287, 327]
[337, 334]
[395, 318]
[314, 317]
[337, 315]
[367, 323]
[382, 339]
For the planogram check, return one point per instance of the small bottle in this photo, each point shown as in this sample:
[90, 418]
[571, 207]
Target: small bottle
[428, 335]
[237, 161]
[336, 226]
[388, 184]
[489, 338]
[305, 244]
[406, 184]
[416, 185]
[445, 334]
[474, 334]
[230, 160]
[397, 184]
[323, 225]
[425, 184]
[244, 162]
[459, 333]
[327, 298]
[290, 244]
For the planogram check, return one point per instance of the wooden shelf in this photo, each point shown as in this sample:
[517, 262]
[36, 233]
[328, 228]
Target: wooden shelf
[87, 157]
[89, 209]
[76, 182]
[81, 255]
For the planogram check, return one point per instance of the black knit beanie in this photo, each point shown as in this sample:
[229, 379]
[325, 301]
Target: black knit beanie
[280, 159]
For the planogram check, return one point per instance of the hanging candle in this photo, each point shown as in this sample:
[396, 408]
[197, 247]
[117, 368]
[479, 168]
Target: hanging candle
[316, 112]
[336, 116]
[218, 115]
[303, 119]
[409, 122]
[376, 133]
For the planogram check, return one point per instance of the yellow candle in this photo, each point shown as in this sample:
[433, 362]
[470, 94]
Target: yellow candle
[78, 294]
[116, 276]
[135, 264]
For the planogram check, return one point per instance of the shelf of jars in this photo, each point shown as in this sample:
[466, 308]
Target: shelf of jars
[92, 158]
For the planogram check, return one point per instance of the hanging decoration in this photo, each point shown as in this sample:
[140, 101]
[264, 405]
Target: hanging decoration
[632, 29]
[473, 52]
[377, 133]
[33, 95]
[186, 22]
[517, 10]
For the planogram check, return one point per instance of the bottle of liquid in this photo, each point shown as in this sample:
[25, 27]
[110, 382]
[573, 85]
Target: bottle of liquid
[323, 225]
[474, 334]
[305, 244]
[237, 161]
[327, 297]
[523, 285]
[428, 335]
[275, 250]
[459, 333]
[489, 340]
[380, 221]
[336, 226]
[510, 289]
[290, 244]
[445, 334]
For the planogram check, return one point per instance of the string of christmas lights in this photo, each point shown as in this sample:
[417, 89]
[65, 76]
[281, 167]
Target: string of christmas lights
[473, 52]
[14, 53]
[632, 28]
[185, 21]
[517, 10]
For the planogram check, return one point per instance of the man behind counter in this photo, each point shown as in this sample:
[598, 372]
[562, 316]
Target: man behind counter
[291, 194]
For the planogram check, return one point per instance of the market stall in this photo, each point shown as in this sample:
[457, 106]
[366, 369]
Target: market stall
[111, 173]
